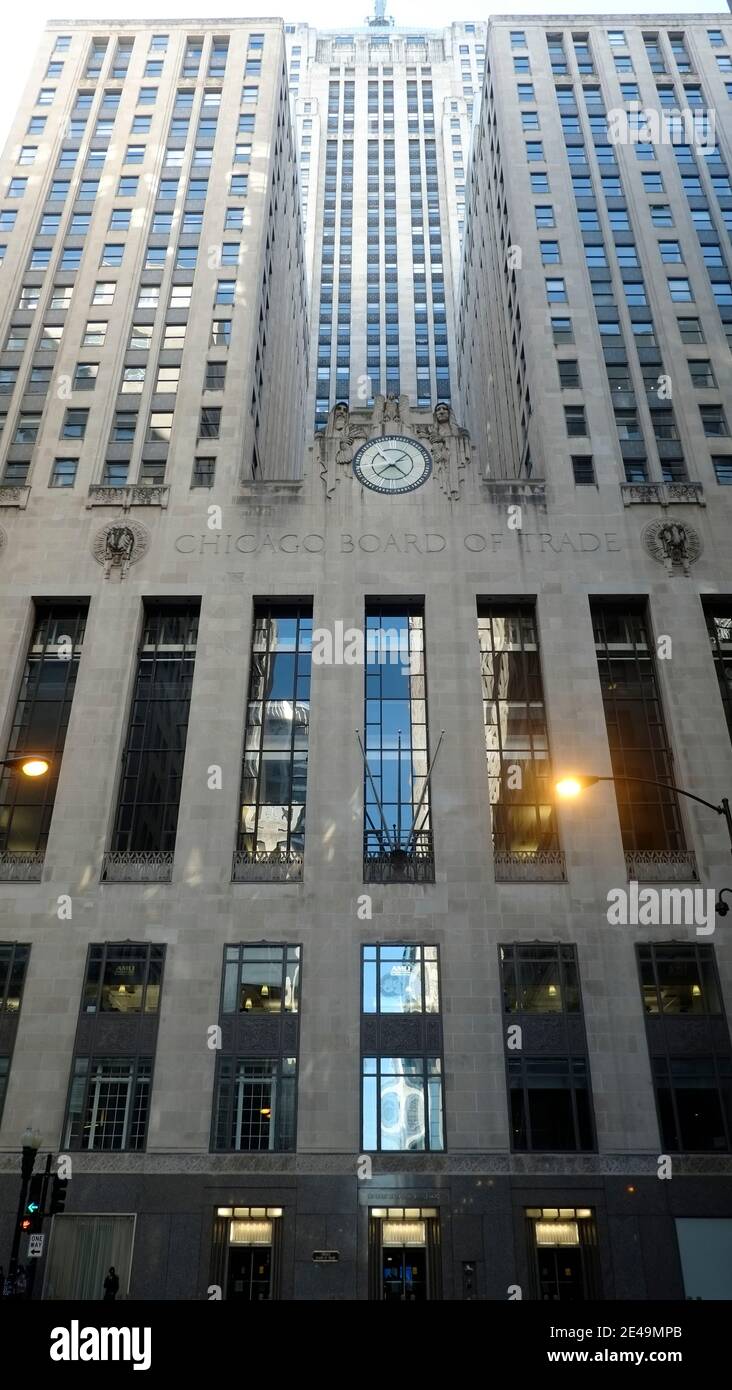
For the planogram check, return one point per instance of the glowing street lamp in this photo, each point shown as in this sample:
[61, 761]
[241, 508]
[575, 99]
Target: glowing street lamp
[573, 784]
[30, 764]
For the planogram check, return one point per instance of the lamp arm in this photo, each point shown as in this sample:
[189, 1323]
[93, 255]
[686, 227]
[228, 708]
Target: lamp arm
[669, 787]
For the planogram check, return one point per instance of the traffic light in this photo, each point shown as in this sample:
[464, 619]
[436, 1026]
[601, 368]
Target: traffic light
[32, 1218]
[58, 1195]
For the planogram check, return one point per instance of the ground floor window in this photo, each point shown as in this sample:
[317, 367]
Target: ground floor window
[563, 1262]
[246, 1253]
[705, 1248]
[82, 1250]
[404, 1254]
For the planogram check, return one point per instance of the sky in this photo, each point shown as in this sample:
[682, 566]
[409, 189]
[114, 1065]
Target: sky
[22, 30]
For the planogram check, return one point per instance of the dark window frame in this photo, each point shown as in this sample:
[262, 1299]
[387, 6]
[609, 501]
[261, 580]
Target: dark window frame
[150, 953]
[54, 619]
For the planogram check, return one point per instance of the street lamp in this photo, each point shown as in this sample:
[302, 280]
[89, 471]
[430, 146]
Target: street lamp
[31, 1141]
[31, 764]
[573, 785]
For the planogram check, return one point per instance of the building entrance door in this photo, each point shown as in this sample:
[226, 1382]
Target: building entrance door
[405, 1273]
[560, 1275]
[563, 1253]
[250, 1273]
[404, 1254]
[245, 1253]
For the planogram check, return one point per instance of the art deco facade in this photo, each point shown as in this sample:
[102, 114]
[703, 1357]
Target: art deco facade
[383, 119]
[302, 963]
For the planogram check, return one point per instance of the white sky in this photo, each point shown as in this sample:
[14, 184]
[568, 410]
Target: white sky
[20, 34]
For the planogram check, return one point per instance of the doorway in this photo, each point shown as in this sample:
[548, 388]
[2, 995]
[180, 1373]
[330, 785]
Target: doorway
[245, 1253]
[405, 1274]
[249, 1274]
[563, 1253]
[404, 1254]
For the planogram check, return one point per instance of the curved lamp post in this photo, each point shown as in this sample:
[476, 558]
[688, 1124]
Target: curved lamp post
[574, 784]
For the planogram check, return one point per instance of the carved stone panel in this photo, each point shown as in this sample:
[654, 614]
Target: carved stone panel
[116, 1035]
[119, 544]
[680, 1035]
[675, 544]
[258, 1035]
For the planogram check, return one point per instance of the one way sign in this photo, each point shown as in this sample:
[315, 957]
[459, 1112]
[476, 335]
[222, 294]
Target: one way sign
[35, 1246]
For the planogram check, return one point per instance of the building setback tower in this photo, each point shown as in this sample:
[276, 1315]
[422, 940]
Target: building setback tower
[384, 118]
[303, 962]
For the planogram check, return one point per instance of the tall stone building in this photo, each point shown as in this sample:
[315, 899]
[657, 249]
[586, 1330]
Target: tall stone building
[305, 969]
[384, 118]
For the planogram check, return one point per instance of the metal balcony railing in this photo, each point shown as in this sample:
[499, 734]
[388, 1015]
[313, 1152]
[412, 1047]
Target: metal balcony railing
[137, 866]
[662, 866]
[21, 868]
[411, 860]
[267, 866]
[530, 866]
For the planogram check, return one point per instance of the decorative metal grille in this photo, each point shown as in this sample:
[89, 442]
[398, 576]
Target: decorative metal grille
[414, 863]
[137, 866]
[661, 866]
[267, 866]
[21, 868]
[531, 866]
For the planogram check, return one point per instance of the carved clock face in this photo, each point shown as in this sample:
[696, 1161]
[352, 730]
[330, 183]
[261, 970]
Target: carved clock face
[392, 464]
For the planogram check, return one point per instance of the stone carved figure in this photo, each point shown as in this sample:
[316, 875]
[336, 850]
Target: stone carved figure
[336, 443]
[118, 549]
[674, 541]
[392, 413]
[120, 544]
[674, 544]
[446, 441]
[341, 428]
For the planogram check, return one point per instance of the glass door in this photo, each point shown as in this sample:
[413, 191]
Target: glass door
[404, 1254]
[405, 1273]
[250, 1271]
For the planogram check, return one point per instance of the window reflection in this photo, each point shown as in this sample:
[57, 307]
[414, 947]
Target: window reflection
[261, 979]
[396, 796]
[274, 771]
[402, 1103]
[639, 745]
[516, 739]
[39, 726]
[679, 980]
[540, 979]
[400, 979]
[122, 978]
[13, 964]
